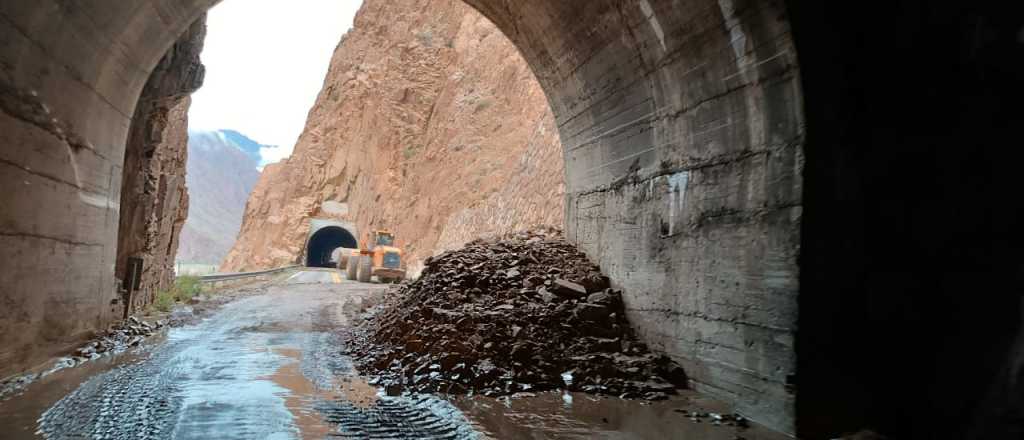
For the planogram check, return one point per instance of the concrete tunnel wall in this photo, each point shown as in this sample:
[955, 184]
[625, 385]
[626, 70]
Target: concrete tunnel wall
[682, 127]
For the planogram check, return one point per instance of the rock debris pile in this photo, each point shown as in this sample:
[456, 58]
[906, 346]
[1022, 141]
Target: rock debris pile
[127, 333]
[522, 312]
[715, 418]
[116, 338]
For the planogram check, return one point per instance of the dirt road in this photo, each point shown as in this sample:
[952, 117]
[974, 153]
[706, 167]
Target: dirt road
[268, 366]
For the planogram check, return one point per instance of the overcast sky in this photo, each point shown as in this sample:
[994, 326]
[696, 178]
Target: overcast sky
[265, 63]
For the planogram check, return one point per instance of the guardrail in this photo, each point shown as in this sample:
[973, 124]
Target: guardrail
[219, 277]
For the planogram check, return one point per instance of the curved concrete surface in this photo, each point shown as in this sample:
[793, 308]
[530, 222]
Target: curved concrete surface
[685, 149]
[670, 114]
[323, 243]
[325, 237]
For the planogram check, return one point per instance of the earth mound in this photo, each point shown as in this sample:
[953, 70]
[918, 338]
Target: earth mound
[521, 312]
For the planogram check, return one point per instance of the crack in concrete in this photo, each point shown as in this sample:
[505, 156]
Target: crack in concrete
[75, 76]
[666, 61]
[738, 215]
[38, 174]
[634, 179]
[660, 115]
[48, 238]
[706, 317]
[27, 107]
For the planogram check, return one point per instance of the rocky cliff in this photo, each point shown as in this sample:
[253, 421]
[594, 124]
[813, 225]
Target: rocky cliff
[222, 171]
[154, 201]
[430, 124]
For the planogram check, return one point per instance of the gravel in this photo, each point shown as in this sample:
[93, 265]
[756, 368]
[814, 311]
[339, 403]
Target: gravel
[517, 313]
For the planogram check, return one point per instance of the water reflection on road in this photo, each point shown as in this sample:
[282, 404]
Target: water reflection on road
[269, 366]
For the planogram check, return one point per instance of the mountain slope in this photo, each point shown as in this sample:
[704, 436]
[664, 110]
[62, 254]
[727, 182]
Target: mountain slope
[429, 124]
[222, 171]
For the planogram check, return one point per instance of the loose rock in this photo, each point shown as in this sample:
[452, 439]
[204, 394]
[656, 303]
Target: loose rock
[116, 338]
[569, 289]
[510, 314]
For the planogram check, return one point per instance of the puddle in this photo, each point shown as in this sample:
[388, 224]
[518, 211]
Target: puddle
[258, 368]
[270, 367]
[19, 414]
[556, 415]
[303, 395]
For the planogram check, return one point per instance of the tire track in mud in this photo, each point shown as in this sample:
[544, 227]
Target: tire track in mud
[134, 401]
[419, 417]
[406, 417]
[208, 380]
[140, 400]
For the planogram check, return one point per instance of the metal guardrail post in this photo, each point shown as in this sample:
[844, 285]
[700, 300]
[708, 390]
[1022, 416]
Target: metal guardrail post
[219, 277]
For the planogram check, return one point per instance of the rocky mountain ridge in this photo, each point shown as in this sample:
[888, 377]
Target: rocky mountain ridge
[221, 172]
[429, 124]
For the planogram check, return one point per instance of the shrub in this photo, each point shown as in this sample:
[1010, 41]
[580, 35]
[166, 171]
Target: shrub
[164, 300]
[483, 104]
[426, 38]
[184, 289]
[187, 287]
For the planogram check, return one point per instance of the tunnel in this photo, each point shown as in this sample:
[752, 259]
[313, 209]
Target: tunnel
[811, 206]
[324, 241]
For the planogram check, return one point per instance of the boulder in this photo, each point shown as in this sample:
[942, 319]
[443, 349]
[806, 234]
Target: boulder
[568, 289]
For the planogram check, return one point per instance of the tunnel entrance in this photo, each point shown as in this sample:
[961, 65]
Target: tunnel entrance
[324, 241]
[648, 97]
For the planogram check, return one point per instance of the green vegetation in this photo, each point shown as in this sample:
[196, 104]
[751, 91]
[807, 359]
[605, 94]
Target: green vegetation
[483, 104]
[426, 38]
[184, 289]
[187, 287]
[409, 152]
[164, 301]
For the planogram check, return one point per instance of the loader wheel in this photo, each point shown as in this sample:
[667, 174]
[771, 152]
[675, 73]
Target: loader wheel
[350, 267]
[365, 269]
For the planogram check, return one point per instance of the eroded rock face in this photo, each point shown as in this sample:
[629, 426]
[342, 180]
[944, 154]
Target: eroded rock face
[429, 124]
[154, 199]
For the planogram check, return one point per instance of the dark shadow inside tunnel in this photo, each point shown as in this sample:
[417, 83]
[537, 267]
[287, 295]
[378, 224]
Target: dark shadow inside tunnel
[324, 242]
[910, 300]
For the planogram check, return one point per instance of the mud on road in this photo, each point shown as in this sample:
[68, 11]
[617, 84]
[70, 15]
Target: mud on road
[270, 366]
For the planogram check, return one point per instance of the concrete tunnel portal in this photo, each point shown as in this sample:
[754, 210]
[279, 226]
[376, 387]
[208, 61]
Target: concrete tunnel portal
[325, 236]
[706, 168]
[324, 241]
[655, 98]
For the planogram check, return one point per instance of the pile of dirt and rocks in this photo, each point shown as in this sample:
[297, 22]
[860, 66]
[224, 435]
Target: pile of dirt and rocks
[118, 337]
[521, 312]
[127, 333]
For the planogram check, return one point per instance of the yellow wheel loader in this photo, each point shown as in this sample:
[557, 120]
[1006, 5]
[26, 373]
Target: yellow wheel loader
[381, 259]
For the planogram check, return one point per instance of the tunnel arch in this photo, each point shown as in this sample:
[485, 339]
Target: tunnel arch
[682, 129]
[694, 177]
[322, 243]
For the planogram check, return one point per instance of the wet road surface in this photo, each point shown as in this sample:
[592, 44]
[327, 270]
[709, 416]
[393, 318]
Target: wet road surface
[269, 367]
[315, 276]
